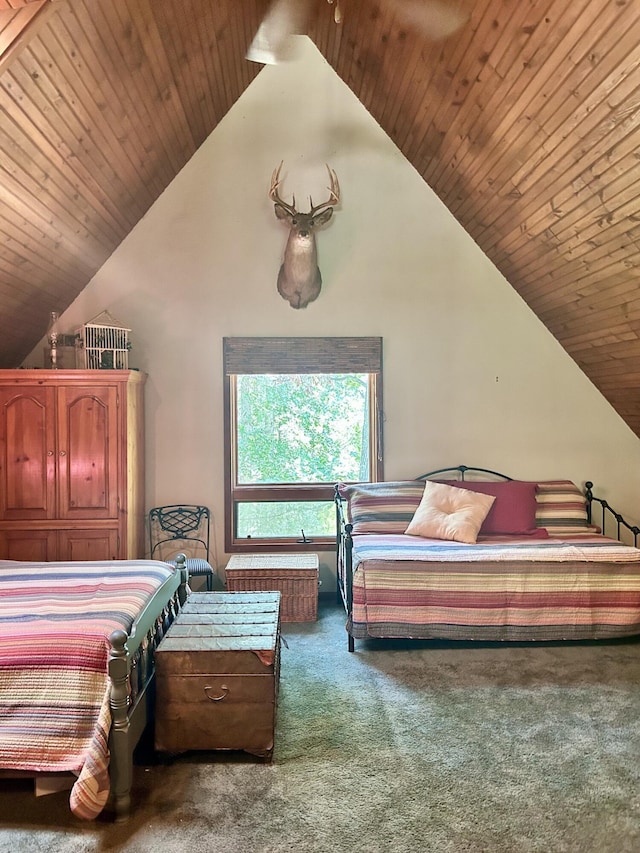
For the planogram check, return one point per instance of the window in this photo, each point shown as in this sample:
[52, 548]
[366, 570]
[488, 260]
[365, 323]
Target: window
[300, 415]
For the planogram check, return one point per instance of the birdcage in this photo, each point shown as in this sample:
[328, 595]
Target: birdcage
[103, 344]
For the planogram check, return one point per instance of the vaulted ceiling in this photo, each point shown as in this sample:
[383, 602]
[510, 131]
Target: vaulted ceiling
[525, 122]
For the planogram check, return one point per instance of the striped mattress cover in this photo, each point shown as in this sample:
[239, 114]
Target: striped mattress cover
[55, 620]
[501, 588]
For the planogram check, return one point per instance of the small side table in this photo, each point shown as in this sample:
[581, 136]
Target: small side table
[217, 674]
[295, 576]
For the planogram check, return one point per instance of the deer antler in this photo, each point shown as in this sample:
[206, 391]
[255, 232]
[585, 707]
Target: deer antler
[334, 191]
[274, 195]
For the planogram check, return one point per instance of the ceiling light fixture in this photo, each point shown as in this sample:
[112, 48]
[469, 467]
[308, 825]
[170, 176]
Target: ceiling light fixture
[273, 43]
[434, 20]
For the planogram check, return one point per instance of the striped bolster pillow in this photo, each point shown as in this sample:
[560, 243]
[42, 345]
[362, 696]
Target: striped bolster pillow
[382, 507]
[561, 507]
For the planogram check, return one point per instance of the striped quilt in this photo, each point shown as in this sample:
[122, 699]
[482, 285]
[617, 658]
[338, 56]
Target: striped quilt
[586, 587]
[55, 620]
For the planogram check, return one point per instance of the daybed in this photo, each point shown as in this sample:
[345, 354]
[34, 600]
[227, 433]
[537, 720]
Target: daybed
[533, 567]
[76, 664]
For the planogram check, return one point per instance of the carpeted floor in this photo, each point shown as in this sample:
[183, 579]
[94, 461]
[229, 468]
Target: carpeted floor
[398, 747]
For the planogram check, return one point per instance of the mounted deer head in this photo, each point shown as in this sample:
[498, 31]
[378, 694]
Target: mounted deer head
[299, 279]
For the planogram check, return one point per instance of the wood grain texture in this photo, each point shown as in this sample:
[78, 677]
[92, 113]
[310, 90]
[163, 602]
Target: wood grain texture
[525, 122]
[68, 488]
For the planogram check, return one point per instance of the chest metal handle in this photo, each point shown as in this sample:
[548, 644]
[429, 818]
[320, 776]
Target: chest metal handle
[224, 689]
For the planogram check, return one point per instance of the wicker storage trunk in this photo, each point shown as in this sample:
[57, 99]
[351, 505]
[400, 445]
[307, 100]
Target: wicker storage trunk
[217, 674]
[295, 576]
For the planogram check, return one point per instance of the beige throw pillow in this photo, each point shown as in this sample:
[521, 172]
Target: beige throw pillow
[449, 512]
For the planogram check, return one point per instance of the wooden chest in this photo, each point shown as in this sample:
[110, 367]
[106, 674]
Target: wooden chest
[295, 576]
[217, 674]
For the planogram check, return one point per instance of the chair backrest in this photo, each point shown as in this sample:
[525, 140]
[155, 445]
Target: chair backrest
[172, 528]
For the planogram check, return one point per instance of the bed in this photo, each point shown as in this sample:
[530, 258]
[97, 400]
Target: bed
[76, 670]
[539, 567]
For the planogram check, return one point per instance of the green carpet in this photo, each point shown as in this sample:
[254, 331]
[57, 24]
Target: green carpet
[399, 747]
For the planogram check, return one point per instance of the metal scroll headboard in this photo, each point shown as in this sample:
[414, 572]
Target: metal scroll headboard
[462, 470]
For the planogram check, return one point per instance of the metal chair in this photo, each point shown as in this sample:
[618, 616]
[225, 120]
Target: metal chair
[182, 528]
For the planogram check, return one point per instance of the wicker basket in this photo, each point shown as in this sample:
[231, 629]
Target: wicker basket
[293, 575]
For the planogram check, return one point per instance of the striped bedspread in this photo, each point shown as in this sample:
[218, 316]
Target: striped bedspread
[587, 587]
[55, 620]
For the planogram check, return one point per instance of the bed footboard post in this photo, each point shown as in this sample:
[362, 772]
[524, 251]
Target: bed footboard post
[121, 759]
[338, 505]
[348, 575]
[344, 559]
[183, 589]
[589, 496]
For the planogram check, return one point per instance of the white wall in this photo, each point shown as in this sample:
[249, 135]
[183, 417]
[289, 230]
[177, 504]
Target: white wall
[470, 375]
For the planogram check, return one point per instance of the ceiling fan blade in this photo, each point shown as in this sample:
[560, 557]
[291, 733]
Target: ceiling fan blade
[272, 43]
[436, 19]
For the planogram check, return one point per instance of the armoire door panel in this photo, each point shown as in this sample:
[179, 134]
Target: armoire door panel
[83, 545]
[71, 464]
[39, 546]
[27, 453]
[87, 453]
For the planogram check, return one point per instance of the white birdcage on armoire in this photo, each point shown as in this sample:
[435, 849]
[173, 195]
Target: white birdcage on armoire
[103, 344]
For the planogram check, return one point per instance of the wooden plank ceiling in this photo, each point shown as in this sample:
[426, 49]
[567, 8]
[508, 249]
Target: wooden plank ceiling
[525, 122]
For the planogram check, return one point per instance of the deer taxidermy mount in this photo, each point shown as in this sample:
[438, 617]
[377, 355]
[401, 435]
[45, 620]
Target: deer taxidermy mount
[299, 279]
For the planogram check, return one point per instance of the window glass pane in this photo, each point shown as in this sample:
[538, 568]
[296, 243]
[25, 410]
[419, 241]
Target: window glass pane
[302, 428]
[280, 519]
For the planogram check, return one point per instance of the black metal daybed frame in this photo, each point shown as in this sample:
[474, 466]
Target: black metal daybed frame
[344, 539]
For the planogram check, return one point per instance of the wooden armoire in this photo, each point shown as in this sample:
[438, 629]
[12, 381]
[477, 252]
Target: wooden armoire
[71, 465]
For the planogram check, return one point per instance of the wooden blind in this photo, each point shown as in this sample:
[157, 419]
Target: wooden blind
[302, 355]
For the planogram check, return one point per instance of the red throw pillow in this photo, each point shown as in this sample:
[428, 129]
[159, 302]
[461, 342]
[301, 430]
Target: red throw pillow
[514, 509]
